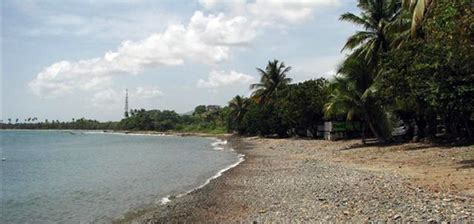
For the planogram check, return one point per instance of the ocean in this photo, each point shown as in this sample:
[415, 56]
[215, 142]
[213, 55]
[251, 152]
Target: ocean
[87, 176]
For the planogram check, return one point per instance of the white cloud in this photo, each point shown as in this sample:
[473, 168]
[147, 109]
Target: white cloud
[295, 11]
[146, 93]
[106, 99]
[270, 11]
[222, 78]
[206, 39]
[111, 98]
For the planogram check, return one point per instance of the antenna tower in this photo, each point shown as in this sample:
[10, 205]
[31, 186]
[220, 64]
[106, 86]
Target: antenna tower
[126, 103]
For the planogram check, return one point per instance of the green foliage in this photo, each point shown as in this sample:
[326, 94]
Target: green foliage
[354, 95]
[433, 76]
[291, 110]
[272, 79]
[377, 18]
[80, 123]
[237, 109]
[138, 120]
[262, 119]
[208, 119]
[201, 109]
[300, 105]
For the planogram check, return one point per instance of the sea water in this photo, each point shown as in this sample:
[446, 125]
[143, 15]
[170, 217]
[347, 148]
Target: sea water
[83, 176]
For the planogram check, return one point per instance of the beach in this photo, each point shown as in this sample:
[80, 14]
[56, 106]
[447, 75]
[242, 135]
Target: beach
[297, 180]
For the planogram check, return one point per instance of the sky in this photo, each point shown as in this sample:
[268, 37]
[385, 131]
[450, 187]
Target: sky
[75, 58]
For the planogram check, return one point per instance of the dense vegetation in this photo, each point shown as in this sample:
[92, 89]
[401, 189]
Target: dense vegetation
[411, 64]
[82, 123]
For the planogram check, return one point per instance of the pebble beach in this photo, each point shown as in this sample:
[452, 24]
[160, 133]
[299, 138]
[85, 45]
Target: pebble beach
[294, 180]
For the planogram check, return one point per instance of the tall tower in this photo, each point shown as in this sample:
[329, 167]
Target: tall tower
[126, 103]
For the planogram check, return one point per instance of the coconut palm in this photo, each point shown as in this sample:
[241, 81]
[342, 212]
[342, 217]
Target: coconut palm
[418, 9]
[352, 94]
[376, 18]
[238, 107]
[273, 78]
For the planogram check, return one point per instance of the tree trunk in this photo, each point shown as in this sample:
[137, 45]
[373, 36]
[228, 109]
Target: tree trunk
[374, 130]
[431, 127]
[465, 122]
[411, 129]
[363, 132]
[421, 125]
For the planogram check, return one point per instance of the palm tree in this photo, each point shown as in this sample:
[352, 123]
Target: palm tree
[377, 18]
[272, 79]
[418, 9]
[238, 107]
[352, 94]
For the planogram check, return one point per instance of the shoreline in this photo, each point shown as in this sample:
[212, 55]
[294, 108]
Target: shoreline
[285, 180]
[221, 142]
[231, 142]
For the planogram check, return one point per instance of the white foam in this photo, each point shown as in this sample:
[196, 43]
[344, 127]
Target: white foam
[165, 200]
[219, 142]
[218, 174]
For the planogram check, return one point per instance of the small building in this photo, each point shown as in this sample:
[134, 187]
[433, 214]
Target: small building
[334, 130]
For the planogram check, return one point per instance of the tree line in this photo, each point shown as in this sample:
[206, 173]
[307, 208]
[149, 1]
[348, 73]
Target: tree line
[411, 63]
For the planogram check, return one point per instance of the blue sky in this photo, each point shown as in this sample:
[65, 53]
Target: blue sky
[72, 59]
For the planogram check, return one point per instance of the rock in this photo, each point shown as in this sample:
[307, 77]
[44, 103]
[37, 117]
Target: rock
[263, 211]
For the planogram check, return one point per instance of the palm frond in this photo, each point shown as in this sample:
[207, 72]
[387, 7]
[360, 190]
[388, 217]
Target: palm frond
[349, 17]
[357, 39]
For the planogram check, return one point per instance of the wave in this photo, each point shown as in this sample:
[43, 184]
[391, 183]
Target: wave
[167, 199]
[219, 142]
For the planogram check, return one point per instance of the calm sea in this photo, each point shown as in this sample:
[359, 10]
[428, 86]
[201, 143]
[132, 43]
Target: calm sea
[82, 176]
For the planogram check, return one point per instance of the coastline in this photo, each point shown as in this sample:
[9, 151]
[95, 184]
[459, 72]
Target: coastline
[285, 180]
[232, 143]
[219, 143]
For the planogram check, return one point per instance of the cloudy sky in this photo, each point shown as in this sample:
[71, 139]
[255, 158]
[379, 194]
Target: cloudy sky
[72, 59]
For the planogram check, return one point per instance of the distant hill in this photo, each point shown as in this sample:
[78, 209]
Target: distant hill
[187, 113]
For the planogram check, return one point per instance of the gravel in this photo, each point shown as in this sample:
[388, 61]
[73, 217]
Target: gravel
[288, 180]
